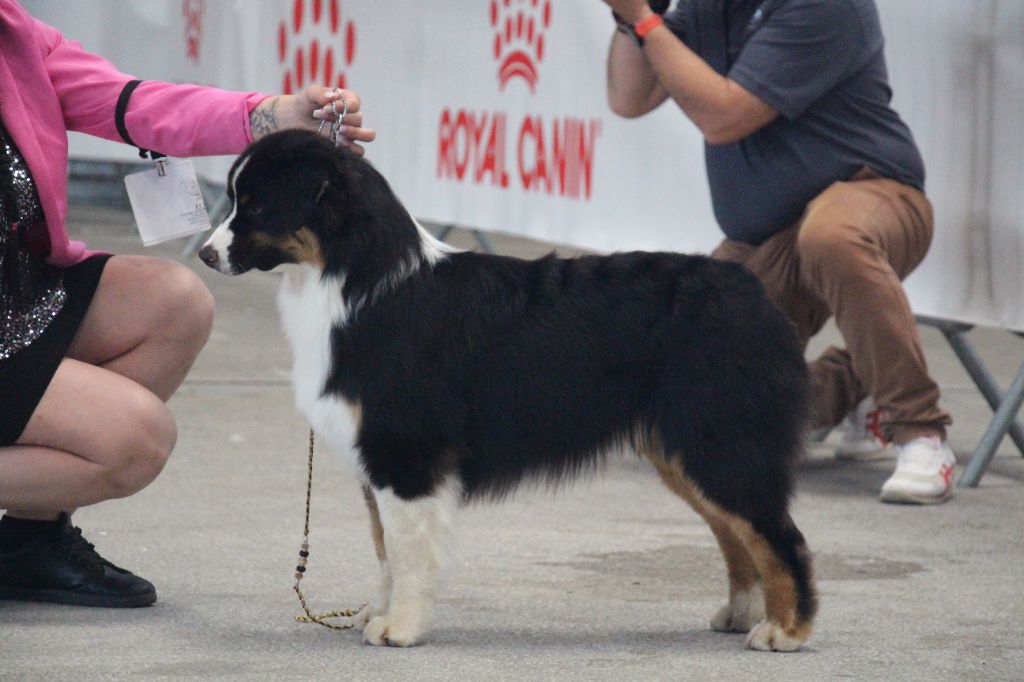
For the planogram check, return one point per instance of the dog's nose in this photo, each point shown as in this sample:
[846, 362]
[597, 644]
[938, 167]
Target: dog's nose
[208, 255]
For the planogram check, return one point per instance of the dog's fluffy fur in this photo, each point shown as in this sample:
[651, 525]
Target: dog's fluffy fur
[466, 373]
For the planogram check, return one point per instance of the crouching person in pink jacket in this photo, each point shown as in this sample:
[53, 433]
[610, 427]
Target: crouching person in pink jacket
[92, 345]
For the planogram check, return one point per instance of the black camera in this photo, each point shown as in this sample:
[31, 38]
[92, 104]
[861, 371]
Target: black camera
[659, 6]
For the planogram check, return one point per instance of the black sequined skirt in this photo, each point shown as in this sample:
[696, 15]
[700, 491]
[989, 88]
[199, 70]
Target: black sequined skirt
[25, 375]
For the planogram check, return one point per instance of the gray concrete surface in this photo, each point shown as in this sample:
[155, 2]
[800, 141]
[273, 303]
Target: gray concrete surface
[612, 579]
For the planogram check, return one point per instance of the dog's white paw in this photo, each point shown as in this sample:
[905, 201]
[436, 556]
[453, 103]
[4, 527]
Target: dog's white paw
[390, 630]
[742, 612]
[769, 636]
[365, 615]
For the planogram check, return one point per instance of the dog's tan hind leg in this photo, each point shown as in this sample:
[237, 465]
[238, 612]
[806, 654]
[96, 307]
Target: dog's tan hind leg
[789, 605]
[789, 601]
[746, 606]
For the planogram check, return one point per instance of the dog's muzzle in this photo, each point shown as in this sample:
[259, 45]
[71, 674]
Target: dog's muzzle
[208, 255]
[211, 255]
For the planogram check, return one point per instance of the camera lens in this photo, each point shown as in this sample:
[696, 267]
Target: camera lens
[658, 6]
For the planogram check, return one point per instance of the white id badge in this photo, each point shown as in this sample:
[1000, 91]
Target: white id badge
[168, 205]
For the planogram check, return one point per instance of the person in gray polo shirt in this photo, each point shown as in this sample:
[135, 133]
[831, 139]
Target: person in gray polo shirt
[817, 185]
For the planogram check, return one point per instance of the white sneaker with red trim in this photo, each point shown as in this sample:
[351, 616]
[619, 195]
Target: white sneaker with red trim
[862, 439]
[924, 473]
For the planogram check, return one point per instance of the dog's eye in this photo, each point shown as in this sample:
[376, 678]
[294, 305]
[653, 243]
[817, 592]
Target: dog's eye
[255, 210]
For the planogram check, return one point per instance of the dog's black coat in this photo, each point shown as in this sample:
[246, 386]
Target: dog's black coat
[500, 369]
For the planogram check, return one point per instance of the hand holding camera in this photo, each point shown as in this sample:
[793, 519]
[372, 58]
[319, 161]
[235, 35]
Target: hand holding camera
[629, 17]
[631, 10]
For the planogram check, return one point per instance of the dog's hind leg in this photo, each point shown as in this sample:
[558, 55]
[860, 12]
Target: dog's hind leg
[746, 599]
[774, 550]
[784, 562]
[380, 605]
[415, 536]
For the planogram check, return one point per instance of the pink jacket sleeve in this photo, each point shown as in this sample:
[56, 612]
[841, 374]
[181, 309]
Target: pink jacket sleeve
[175, 119]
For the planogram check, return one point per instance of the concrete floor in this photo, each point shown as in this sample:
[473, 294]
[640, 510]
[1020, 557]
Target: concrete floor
[612, 579]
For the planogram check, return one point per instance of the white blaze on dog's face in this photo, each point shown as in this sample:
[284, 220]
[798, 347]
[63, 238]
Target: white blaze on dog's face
[215, 251]
[268, 222]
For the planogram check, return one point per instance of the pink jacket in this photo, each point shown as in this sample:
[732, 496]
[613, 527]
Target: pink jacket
[49, 85]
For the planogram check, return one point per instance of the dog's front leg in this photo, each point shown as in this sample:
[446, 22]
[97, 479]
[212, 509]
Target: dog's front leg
[416, 535]
[380, 604]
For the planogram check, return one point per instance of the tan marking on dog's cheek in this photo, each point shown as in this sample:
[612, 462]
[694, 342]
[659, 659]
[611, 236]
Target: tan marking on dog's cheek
[299, 247]
[307, 247]
[259, 240]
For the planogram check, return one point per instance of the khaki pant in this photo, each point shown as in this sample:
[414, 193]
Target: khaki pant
[846, 257]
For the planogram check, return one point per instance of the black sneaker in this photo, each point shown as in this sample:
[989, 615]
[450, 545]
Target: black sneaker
[62, 567]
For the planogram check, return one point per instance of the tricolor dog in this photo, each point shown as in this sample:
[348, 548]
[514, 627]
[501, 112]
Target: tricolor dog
[464, 374]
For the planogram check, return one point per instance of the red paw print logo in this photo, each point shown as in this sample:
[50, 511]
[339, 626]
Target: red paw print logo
[193, 11]
[519, 27]
[314, 45]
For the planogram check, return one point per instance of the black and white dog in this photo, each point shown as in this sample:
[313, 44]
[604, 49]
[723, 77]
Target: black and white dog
[463, 374]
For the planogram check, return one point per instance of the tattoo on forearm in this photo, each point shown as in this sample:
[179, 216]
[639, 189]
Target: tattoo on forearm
[263, 119]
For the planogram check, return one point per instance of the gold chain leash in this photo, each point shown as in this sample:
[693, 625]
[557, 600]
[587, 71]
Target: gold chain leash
[300, 569]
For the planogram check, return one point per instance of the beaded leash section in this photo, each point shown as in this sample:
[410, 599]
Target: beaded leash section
[300, 569]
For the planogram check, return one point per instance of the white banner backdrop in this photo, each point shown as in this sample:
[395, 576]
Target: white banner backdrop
[492, 114]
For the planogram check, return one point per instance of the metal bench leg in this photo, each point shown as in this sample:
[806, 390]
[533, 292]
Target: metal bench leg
[481, 238]
[444, 231]
[972, 362]
[484, 241]
[997, 428]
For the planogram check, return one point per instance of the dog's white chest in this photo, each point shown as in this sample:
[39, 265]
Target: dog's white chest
[310, 308]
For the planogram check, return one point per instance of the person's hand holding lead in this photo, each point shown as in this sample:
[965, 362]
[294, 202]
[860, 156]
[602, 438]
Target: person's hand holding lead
[308, 109]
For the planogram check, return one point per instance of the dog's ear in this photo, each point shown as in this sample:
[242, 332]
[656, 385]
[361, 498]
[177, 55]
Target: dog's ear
[327, 177]
[339, 183]
[323, 188]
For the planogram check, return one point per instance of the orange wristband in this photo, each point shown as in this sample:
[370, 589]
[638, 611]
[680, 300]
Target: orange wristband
[645, 26]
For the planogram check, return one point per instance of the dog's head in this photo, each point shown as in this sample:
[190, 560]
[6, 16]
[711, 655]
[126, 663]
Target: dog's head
[294, 198]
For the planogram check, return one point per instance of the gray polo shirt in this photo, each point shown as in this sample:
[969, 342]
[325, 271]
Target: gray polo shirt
[820, 64]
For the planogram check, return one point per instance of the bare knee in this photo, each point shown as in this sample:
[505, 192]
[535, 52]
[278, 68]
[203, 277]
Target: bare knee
[150, 436]
[189, 304]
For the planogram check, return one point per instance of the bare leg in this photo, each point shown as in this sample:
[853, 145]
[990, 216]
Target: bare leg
[148, 321]
[94, 436]
[101, 430]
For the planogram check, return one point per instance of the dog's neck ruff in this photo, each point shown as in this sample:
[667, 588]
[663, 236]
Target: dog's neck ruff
[432, 248]
[313, 303]
[428, 251]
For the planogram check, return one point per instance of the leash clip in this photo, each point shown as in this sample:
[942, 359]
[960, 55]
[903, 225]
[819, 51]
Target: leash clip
[336, 125]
